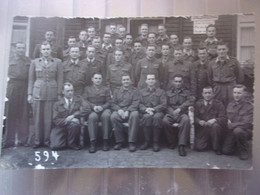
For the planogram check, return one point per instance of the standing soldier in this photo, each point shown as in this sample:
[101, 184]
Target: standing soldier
[45, 85]
[111, 56]
[143, 36]
[174, 42]
[91, 34]
[188, 52]
[125, 105]
[82, 44]
[210, 119]
[113, 33]
[162, 37]
[100, 54]
[176, 122]
[106, 45]
[71, 42]
[56, 51]
[240, 119]
[121, 32]
[166, 58]
[98, 97]
[116, 70]
[137, 54]
[223, 73]
[152, 107]
[148, 65]
[17, 108]
[128, 47]
[74, 71]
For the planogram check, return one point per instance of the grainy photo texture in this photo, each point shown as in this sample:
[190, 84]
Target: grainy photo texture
[170, 92]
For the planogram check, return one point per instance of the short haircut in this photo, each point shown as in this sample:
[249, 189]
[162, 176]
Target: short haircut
[119, 49]
[93, 74]
[20, 42]
[119, 39]
[106, 33]
[128, 34]
[45, 43]
[50, 31]
[240, 86]
[91, 46]
[162, 25]
[144, 25]
[178, 47]
[202, 47]
[151, 45]
[91, 27]
[137, 42]
[165, 44]
[174, 34]
[207, 87]
[151, 33]
[125, 75]
[82, 31]
[112, 24]
[71, 37]
[210, 25]
[150, 74]
[222, 43]
[74, 47]
[187, 37]
[178, 76]
[97, 37]
[67, 84]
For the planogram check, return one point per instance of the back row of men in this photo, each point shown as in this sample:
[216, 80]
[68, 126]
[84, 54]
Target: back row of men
[47, 74]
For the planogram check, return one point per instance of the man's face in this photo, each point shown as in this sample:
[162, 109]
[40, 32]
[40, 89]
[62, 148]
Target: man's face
[122, 31]
[20, 49]
[211, 32]
[150, 80]
[207, 94]
[46, 50]
[150, 51]
[137, 47]
[113, 29]
[68, 91]
[144, 30]
[91, 51]
[97, 79]
[202, 54]
[91, 32]
[74, 53]
[177, 54]
[165, 50]
[161, 30]
[222, 51]
[49, 36]
[151, 38]
[106, 38]
[71, 42]
[177, 82]
[118, 56]
[96, 43]
[128, 39]
[126, 81]
[83, 36]
[238, 94]
[174, 39]
[118, 43]
[187, 43]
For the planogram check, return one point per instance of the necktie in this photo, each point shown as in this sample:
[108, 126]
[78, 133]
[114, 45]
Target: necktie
[69, 106]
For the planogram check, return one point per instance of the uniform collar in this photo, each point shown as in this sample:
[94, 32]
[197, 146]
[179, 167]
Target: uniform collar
[211, 41]
[219, 60]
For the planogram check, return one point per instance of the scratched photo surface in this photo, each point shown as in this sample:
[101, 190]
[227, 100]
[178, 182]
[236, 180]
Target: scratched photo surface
[161, 92]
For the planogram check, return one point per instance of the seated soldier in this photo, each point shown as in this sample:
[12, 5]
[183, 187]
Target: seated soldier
[176, 122]
[240, 119]
[98, 97]
[152, 107]
[66, 119]
[125, 103]
[210, 118]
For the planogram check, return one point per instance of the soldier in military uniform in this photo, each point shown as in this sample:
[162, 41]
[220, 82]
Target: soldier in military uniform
[210, 119]
[223, 73]
[82, 43]
[111, 56]
[17, 107]
[174, 42]
[137, 54]
[188, 53]
[45, 85]
[128, 47]
[75, 71]
[125, 103]
[66, 53]
[152, 108]
[162, 37]
[176, 122]
[113, 33]
[66, 120]
[143, 36]
[166, 58]
[99, 99]
[148, 65]
[116, 70]
[239, 126]
[56, 51]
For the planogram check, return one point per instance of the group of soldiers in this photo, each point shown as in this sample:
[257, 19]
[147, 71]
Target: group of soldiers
[148, 84]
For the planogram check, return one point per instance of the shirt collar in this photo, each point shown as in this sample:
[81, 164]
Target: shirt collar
[74, 61]
[207, 102]
[90, 60]
[67, 100]
[218, 59]
[211, 40]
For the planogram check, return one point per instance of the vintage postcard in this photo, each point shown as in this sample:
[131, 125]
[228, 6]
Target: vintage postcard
[159, 92]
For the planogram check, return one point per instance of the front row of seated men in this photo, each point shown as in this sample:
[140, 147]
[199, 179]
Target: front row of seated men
[152, 110]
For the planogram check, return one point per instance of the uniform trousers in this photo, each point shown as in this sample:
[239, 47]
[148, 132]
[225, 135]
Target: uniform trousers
[236, 139]
[152, 125]
[206, 136]
[93, 120]
[224, 92]
[117, 123]
[177, 135]
[62, 136]
[42, 115]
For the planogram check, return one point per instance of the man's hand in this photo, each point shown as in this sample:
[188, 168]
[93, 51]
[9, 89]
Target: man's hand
[98, 109]
[202, 123]
[211, 122]
[176, 112]
[30, 99]
[229, 123]
[126, 114]
[150, 111]
[175, 124]
[121, 113]
[69, 118]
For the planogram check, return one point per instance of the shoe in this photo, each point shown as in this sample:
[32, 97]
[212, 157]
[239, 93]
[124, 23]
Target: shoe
[131, 147]
[243, 155]
[218, 152]
[35, 146]
[75, 147]
[118, 146]
[156, 147]
[182, 151]
[92, 148]
[144, 146]
[105, 145]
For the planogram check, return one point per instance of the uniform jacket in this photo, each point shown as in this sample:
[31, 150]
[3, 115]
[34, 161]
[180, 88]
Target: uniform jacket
[97, 97]
[19, 67]
[127, 100]
[143, 40]
[45, 80]
[155, 99]
[61, 110]
[240, 114]
[214, 110]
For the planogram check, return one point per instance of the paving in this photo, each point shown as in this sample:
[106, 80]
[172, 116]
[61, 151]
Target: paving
[27, 157]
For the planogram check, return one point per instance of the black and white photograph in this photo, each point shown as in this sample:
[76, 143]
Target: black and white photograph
[130, 92]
